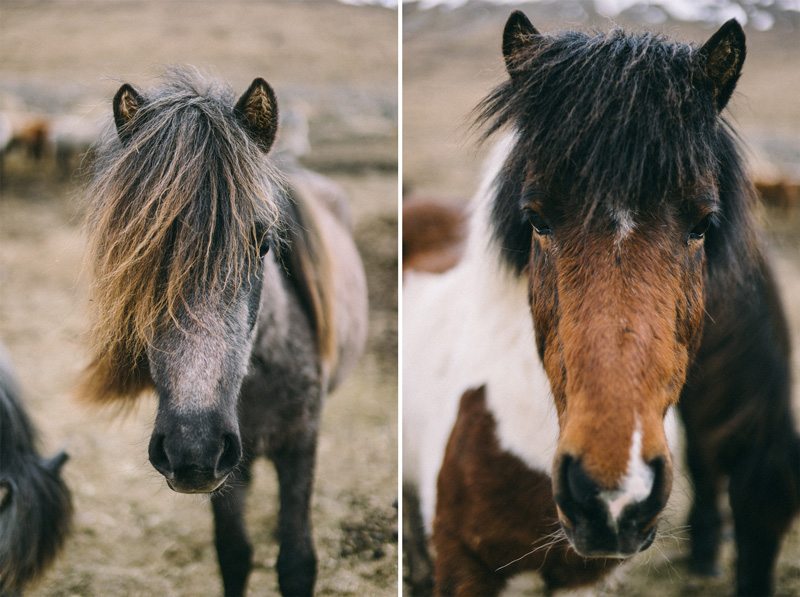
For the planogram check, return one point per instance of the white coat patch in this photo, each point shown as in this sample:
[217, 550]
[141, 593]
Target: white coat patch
[470, 327]
[625, 224]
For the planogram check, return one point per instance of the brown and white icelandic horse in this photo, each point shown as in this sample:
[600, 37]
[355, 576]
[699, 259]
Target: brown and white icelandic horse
[234, 292]
[616, 215]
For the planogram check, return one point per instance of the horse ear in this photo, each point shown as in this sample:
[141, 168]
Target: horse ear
[55, 463]
[257, 111]
[126, 104]
[518, 33]
[724, 55]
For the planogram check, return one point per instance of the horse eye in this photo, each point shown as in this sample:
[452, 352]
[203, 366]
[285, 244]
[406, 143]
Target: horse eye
[265, 241]
[263, 249]
[539, 224]
[699, 231]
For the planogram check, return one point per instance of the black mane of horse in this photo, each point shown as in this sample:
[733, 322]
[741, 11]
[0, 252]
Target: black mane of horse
[616, 121]
[35, 504]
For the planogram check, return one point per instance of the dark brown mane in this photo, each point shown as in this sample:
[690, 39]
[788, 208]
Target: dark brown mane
[620, 121]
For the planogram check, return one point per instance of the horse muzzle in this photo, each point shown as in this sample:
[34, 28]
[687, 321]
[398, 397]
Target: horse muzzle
[603, 523]
[194, 460]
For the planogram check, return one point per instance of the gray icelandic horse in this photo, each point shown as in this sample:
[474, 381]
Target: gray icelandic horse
[35, 503]
[240, 343]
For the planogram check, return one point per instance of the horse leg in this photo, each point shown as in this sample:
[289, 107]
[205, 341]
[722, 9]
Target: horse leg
[765, 496]
[420, 568]
[297, 562]
[705, 521]
[234, 551]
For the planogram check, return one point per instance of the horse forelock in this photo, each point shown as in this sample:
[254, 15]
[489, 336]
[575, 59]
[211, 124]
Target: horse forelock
[175, 214]
[613, 124]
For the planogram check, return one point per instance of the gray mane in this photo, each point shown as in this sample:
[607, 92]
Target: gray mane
[177, 212]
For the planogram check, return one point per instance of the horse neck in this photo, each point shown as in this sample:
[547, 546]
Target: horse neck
[285, 336]
[275, 319]
[479, 313]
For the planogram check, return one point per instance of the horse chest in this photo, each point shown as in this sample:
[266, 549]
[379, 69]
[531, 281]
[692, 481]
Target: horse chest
[493, 507]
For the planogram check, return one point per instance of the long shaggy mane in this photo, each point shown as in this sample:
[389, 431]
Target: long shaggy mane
[618, 120]
[176, 212]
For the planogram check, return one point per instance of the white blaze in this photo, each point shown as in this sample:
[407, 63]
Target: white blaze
[625, 224]
[637, 484]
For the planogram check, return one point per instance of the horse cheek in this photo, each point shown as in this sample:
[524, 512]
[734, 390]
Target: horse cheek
[543, 299]
[689, 330]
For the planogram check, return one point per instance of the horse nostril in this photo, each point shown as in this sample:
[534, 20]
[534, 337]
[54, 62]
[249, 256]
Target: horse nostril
[582, 487]
[158, 455]
[576, 491]
[229, 455]
[659, 493]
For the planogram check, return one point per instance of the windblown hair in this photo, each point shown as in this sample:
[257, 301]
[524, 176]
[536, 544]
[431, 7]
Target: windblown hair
[35, 504]
[177, 212]
[613, 120]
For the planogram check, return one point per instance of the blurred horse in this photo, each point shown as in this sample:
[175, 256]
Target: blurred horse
[35, 503]
[71, 138]
[21, 131]
[29, 133]
[434, 232]
[239, 299]
[616, 215]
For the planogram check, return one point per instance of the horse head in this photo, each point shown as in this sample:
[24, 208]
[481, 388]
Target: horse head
[184, 220]
[611, 202]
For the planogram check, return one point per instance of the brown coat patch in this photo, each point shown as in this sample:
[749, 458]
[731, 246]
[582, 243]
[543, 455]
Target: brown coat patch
[434, 233]
[493, 510]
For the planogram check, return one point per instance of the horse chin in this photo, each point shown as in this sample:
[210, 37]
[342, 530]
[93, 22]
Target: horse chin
[626, 547]
[209, 487]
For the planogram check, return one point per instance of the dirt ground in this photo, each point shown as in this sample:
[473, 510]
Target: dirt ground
[452, 58]
[337, 65]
